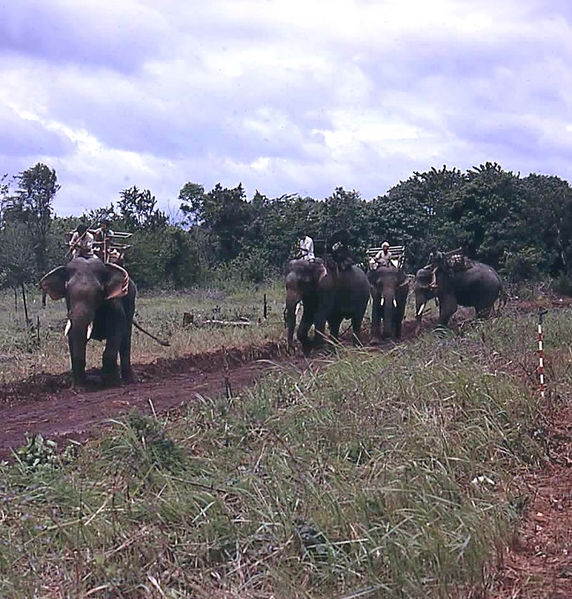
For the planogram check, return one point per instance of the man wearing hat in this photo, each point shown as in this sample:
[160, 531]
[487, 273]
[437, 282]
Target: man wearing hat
[383, 257]
[81, 243]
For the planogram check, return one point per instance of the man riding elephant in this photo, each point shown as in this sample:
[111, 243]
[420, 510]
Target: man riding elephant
[328, 294]
[389, 290]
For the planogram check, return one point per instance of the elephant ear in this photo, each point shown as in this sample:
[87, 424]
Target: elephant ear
[54, 283]
[117, 283]
[320, 271]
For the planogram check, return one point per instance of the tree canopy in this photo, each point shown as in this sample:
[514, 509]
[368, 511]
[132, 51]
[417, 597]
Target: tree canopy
[520, 225]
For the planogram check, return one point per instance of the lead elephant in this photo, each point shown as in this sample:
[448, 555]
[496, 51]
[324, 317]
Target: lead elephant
[100, 300]
[389, 289]
[475, 285]
[328, 294]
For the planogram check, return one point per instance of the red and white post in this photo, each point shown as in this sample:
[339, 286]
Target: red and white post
[541, 314]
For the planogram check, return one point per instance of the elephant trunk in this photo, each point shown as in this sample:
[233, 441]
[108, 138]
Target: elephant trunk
[420, 303]
[292, 300]
[79, 330]
[389, 308]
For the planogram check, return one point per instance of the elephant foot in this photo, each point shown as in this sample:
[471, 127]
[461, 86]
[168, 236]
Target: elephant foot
[109, 377]
[376, 339]
[357, 341]
[128, 376]
[78, 382]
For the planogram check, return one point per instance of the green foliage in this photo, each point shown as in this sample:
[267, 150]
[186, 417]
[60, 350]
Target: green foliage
[143, 445]
[17, 258]
[563, 284]
[222, 212]
[522, 226]
[32, 205]
[523, 265]
[165, 257]
[39, 452]
[137, 209]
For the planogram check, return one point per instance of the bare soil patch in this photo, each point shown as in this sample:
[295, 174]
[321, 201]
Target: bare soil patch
[48, 404]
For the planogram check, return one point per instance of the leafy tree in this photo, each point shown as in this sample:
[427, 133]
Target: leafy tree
[192, 199]
[32, 205]
[484, 214]
[223, 213]
[17, 258]
[137, 209]
[411, 212]
[345, 212]
[548, 221]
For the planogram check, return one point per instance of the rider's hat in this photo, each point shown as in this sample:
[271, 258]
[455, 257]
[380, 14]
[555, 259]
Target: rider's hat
[385, 244]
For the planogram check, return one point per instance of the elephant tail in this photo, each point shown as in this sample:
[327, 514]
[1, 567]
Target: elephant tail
[159, 341]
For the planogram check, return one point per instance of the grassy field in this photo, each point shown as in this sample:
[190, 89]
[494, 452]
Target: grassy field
[391, 474]
[26, 351]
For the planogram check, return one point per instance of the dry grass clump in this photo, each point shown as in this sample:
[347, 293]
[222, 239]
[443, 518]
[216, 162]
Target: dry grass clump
[379, 475]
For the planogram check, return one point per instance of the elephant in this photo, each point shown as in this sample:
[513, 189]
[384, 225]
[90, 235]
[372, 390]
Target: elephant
[476, 285]
[328, 294]
[389, 290]
[100, 300]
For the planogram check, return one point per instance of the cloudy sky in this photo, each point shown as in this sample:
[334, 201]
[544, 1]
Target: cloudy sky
[285, 96]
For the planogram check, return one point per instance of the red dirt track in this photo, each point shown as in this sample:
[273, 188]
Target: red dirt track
[49, 406]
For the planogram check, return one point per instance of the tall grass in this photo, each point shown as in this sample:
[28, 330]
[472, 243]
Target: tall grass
[370, 475]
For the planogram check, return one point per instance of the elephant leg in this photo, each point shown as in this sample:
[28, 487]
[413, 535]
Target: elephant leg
[397, 322]
[320, 333]
[320, 327]
[109, 371]
[375, 320]
[447, 307]
[302, 333]
[356, 330]
[401, 305]
[335, 323]
[125, 358]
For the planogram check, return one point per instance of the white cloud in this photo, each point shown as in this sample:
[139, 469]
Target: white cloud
[282, 95]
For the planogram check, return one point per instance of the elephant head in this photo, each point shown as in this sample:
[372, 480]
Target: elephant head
[305, 281]
[87, 285]
[425, 290]
[389, 288]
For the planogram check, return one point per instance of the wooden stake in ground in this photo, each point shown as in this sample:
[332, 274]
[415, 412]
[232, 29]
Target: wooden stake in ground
[541, 314]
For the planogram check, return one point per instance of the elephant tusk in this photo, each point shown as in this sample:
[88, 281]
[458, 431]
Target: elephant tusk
[89, 330]
[382, 301]
[394, 303]
[68, 327]
[421, 308]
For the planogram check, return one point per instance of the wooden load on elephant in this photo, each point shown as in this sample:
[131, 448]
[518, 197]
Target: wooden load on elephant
[397, 253]
[454, 260]
[111, 249]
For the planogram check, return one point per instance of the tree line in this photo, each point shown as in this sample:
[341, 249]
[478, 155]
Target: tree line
[520, 225]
